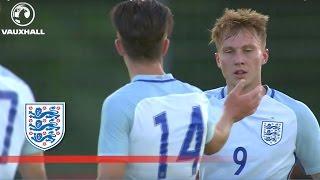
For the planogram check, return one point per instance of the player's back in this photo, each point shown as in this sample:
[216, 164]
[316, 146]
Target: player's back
[14, 93]
[166, 118]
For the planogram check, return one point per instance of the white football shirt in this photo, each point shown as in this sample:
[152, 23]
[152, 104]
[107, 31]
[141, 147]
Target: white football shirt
[14, 93]
[157, 115]
[266, 144]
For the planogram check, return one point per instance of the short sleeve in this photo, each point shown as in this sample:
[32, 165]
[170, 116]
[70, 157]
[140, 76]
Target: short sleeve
[308, 140]
[114, 128]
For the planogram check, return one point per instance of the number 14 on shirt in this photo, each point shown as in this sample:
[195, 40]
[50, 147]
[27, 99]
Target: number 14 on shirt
[195, 128]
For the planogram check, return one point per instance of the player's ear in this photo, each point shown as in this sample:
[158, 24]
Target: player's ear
[119, 47]
[217, 56]
[265, 56]
[165, 46]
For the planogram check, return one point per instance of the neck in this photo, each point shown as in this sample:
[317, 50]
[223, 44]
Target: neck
[154, 68]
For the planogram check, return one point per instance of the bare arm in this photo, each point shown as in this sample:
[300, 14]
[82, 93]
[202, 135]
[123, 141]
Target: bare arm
[221, 134]
[33, 170]
[236, 107]
[111, 171]
[316, 176]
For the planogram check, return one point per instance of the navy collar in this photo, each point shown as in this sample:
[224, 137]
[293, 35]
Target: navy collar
[270, 91]
[153, 78]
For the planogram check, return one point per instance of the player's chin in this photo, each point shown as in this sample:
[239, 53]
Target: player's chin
[236, 80]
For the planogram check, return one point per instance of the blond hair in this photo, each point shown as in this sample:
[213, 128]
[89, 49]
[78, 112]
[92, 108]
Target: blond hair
[233, 21]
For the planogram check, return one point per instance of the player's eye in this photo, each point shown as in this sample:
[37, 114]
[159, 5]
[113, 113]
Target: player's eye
[248, 50]
[227, 51]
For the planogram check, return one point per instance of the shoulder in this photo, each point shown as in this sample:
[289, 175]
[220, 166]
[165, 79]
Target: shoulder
[297, 106]
[302, 111]
[9, 75]
[10, 81]
[124, 100]
[190, 87]
[116, 112]
[119, 97]
[215, 93]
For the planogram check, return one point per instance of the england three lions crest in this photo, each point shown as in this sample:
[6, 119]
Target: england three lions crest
[44, 124]
[271, 132]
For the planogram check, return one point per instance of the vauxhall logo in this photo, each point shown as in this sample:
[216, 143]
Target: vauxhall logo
[22, 32]
[22, 14]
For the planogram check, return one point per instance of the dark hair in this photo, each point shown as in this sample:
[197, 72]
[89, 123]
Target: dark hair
[142, 25]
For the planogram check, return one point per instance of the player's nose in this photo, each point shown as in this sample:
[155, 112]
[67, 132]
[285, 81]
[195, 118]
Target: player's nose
[239, 59]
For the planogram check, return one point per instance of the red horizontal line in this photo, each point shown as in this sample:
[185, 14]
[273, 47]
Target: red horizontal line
[77, 159]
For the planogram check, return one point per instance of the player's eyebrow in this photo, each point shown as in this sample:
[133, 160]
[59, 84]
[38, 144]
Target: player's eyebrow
[227, 47]
[249, 46]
